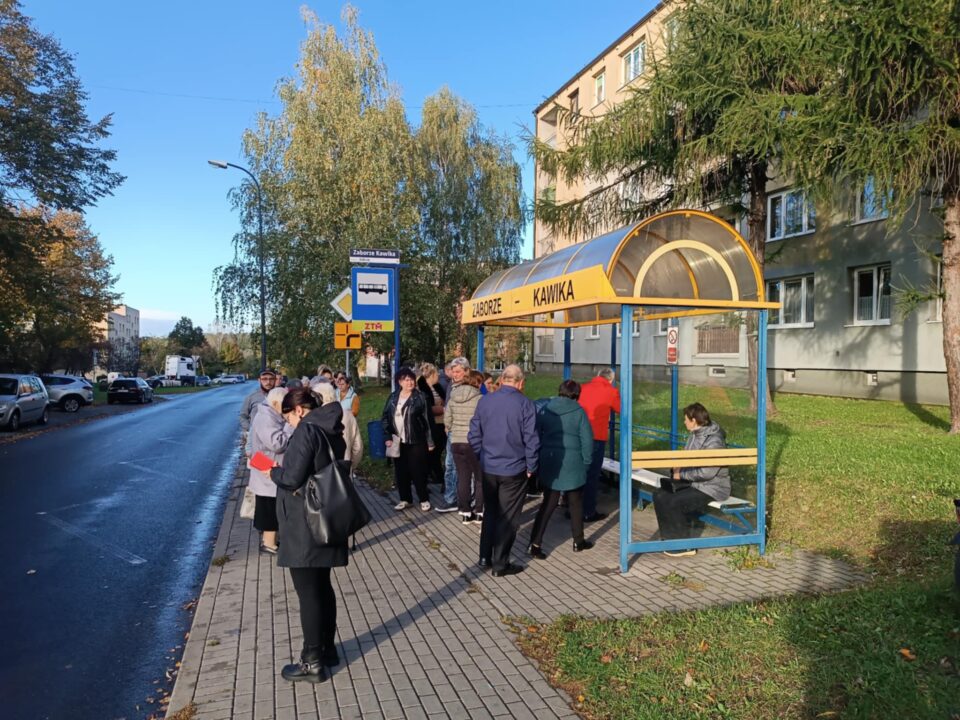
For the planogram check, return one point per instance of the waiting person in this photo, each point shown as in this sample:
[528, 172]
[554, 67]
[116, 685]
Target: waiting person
[488, 384]
[324, 374]
[566, 448]
[503, 434]
[315, 429]
[459, 370]
[689, 492]
[269, 434]
[351, 430]
[346, 395]
[405, 421]
[268, 379]
[428, 384]
[598, 398]
[461, 406]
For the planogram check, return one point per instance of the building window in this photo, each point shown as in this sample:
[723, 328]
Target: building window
[871, 205]
[594, 332]
[662, 325]
[633, 62]
[549, 194]
[545, 344]
[671, 27]
[718, 340]
[796, 296]
[939, 316]
[791, 213]
[871, 295]
[636, 328]
[600, 88]
[575, 102]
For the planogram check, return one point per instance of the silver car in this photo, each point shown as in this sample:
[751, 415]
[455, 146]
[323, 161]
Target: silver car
[67, 391]
[23, 399]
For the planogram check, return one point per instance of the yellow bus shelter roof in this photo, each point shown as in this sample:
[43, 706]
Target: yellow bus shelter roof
[682, 262]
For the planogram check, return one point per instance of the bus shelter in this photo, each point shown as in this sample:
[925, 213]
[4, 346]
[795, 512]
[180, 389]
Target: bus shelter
[675, 264]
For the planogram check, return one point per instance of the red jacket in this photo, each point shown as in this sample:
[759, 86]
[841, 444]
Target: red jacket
[598, 397]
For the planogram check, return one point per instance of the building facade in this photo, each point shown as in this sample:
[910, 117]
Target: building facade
[120, 333]
[837, 271]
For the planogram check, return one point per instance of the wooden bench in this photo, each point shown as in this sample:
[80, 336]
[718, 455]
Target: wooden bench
[736, 508]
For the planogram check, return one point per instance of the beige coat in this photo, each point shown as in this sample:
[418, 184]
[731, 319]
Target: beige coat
[351, 435]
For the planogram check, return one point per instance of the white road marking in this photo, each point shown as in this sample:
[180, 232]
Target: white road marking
[117, 552]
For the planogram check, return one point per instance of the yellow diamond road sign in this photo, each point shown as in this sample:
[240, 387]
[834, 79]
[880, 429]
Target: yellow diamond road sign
[343, 304]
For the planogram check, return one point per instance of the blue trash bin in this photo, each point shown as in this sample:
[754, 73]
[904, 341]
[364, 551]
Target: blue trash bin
[377, 444]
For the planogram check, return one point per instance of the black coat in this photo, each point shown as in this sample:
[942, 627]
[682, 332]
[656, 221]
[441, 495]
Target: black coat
[306, 454]
[416, 418]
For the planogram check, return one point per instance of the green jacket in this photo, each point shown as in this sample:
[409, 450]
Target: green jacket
[566, 444]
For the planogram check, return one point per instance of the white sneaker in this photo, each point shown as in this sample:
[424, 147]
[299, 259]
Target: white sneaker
[402, 505]
[679, 553]
[425, 506]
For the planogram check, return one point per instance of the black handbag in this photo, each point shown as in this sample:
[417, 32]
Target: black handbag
[332, 505]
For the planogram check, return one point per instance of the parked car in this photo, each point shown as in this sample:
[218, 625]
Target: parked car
[155, 381]
[69, 392]
[129, 390]
[203, 380]
[23, 399]
[226, 380]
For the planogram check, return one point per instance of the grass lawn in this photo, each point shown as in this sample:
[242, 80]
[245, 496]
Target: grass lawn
[868, 481]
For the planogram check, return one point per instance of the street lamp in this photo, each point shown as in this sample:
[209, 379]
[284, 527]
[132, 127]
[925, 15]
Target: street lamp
[221, 165]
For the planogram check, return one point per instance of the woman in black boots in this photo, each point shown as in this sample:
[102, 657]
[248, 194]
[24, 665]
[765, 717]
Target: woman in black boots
[309, 563]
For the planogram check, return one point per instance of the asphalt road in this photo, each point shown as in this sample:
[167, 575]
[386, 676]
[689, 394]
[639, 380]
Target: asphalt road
[108, 533]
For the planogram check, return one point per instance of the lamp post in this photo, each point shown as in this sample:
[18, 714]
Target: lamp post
[220, 164]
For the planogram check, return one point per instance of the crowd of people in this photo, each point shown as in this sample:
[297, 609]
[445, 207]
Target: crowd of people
[483, 440]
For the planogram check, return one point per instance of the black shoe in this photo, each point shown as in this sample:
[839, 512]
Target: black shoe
[595, 517]
[582, 545]
[329, 656]
[310, 668]
[509, 569]
[536, 553]
[484, 564]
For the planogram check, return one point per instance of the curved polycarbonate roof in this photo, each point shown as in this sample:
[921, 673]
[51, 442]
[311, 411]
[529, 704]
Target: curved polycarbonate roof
[694, 259]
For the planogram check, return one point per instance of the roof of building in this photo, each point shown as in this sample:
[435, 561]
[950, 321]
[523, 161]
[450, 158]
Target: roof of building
[659, 6]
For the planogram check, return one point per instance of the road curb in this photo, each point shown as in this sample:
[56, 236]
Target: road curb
[189, 672]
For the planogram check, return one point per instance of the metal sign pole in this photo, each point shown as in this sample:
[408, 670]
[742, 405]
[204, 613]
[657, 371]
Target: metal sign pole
[396, 326]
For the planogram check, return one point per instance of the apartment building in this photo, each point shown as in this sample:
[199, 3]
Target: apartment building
[837, 271]
[121, 323]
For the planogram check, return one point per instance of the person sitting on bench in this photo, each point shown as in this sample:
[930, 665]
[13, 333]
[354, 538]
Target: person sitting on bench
[690, 490]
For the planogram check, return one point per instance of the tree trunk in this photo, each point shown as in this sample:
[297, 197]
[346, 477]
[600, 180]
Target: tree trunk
[757, 219]
[951, 301]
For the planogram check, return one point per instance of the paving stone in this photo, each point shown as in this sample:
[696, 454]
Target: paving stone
[420, 631]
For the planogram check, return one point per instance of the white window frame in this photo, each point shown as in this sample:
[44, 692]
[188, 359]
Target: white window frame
[634, 62]
[882, 211]
[807, 207]
[939, 273]
[593, 332]
[636, 328]
[600, 87]
[662, 325]
[878, 274]
[670, 27]
[807, 286]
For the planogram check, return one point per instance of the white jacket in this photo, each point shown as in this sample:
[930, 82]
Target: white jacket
[351, 435]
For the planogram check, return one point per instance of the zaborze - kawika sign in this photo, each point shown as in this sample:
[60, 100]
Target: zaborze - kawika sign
[584, 287]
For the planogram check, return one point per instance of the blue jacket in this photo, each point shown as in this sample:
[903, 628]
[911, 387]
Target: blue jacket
[503, 432]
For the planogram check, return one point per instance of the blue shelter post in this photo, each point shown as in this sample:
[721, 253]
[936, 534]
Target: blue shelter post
[675, 398]
[567, 372]
[396, 325]
[480, 348]
[626, 436]
[612, 443]
[762, 431]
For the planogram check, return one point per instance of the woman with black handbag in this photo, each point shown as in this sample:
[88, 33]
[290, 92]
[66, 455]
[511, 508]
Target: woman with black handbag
[317, 431]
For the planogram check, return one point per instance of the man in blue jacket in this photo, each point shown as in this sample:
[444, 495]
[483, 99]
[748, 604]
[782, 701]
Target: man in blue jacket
[503, 434]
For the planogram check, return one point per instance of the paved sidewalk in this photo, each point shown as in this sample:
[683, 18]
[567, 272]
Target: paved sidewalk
[420, 629]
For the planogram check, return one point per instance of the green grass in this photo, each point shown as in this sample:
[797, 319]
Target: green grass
[376, 472]
[883, 652]
[867, 481]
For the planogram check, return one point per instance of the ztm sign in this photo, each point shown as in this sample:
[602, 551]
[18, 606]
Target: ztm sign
[344, 337]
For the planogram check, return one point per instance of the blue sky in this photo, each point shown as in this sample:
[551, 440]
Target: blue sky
[184, 79]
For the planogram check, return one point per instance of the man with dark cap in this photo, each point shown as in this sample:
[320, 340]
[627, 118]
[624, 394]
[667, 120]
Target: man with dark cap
[268, 379]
